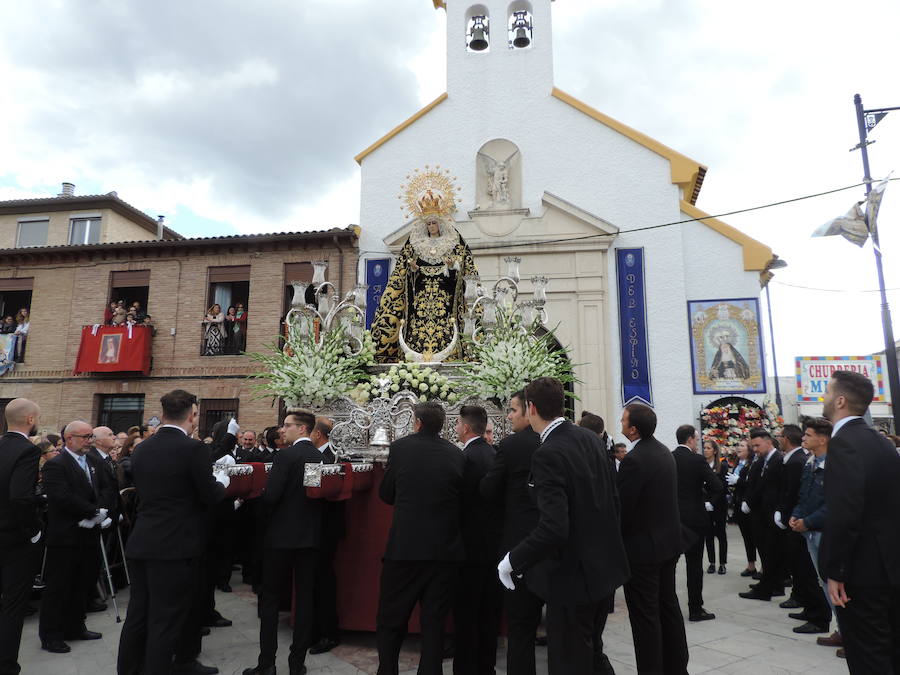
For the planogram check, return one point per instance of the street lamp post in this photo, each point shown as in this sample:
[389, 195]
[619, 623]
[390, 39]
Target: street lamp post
[890, 350]
[775, 263]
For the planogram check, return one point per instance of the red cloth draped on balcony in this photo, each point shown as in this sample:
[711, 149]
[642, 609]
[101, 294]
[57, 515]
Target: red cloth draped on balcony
[114, 349]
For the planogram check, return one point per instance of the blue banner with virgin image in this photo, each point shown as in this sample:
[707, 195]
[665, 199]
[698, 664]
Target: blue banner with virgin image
[376, 277]
[633, 326]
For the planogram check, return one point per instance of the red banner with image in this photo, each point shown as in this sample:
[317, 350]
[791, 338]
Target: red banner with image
[114, 349]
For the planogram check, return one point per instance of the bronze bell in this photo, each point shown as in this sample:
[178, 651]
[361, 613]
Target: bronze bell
[521, 40]
[479, 42]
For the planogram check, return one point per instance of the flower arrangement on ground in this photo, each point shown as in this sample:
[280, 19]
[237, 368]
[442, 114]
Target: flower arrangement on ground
[426, 383]
[510, 356]
[312, 373]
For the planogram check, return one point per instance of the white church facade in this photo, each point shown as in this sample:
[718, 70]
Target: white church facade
[548, 178]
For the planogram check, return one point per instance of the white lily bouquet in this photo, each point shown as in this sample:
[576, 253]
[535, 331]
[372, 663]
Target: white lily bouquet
[509, 357]
[310, 373]
[426, 383]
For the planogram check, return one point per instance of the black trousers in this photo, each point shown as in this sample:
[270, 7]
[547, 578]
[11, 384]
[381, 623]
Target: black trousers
[161, 600]
[572, 635]
[325, 623]
[476, 619]
[16, 573]
[657, 625]
[746, 527]
[717, 521]
[806, 589]
[403, 584]
[280, 564]
[870, 627]
[523, 616]
[770, 543]
[190, 641]
[70, 574]
[693, 560]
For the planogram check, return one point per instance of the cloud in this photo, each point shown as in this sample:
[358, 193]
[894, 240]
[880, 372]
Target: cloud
[261, 105]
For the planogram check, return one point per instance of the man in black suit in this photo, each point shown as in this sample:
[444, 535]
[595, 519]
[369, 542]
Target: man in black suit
[478, 604]
[20, 525]
[860, 552]
[326, 632]
[507, 482]
[423, 481]
[763, 502]
[651, 529]
[103, 442]
[78, 502]
[247, 451]
[574, 558]
[293, 536]
[806, 591]
[175, 487]
[698, 488]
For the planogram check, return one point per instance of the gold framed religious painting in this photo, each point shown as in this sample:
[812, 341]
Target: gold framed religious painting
[726, 346]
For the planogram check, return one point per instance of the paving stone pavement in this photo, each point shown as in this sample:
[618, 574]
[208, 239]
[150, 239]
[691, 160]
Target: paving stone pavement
[747, 636]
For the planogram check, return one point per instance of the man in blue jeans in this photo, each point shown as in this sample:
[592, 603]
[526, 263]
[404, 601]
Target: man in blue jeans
[808, 517]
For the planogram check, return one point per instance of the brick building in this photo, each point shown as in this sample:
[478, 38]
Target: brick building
[68, 285]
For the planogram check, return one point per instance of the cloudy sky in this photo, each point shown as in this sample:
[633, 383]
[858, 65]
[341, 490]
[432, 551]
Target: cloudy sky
[230, 116]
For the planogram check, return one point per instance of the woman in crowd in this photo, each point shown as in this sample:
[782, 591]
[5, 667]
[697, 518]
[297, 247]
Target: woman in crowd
[48, 451]
[23, 322]
[9, 326]
[124, 465]
[720, 510]
[240, 328]
[230, 331]
[742, 471]
[214, 331]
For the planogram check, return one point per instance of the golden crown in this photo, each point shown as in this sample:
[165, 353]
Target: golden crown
[429, 193]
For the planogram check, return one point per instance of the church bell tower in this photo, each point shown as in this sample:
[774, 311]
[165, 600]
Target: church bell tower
[498, 49]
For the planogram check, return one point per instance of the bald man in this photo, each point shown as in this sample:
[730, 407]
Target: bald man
[73, 486]
[103, 443]
[19, 524]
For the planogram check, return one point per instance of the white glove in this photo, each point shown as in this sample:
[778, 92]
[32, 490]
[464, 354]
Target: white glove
[222, 477]
[87, 523]
[238, 503]
[106, 523]
[504, 571]
[121, 517]
[103, 512]
[745, 508]
[777, 519]
[709, 507]
[36, 538]
[732, 479]
[233, 427]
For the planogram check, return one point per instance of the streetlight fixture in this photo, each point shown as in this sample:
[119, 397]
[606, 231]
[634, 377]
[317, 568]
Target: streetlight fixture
[775, 263]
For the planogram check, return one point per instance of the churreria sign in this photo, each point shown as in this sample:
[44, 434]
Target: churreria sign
[813, 373]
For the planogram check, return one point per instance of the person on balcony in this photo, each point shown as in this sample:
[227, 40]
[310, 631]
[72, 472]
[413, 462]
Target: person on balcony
[23, 322]
[213, 331]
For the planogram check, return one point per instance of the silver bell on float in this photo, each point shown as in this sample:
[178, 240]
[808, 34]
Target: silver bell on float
[381, 438]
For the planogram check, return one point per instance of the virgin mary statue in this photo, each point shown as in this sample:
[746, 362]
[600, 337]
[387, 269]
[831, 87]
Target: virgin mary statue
[423, 300]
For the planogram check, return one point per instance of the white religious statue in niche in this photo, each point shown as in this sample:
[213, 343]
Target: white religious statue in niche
[498, 174]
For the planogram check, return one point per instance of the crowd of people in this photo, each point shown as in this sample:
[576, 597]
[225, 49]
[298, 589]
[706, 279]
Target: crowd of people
[17, 326]
[118, 314]
[225, 332]
[553, 520]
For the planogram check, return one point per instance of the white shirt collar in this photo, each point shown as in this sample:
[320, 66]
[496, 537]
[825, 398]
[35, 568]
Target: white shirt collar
[300, 440]
[550, 427]
[104, 455]
[841, 422]
[788, 455]
[76, 457]
[468, 442]
[629, 446]
[769, 454]
[173, 426]
[18, 432]
[324, 447]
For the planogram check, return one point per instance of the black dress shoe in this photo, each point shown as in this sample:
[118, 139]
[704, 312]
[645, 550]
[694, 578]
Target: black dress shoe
[324, 645]
[96, 607]
[225, 588]
[221, 622]
[204, 631]
[711, 569]
[777, 592]
[790, 603]
[85, 635]
[721, 569]
[55, 646]
[748, 572]
[193, 668]
[800, 616]
[701, 615]
[755, 595]
[298, 671]
[810, 627]
[268, 670]
[757, 575]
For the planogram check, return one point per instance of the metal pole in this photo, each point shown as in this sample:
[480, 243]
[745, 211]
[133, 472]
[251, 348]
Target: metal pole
[774, 360]
[890, 350]
[112, 588]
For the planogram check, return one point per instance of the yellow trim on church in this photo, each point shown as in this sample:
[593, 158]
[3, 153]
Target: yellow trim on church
[400, 127]
[756, 254]
[686, 173]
